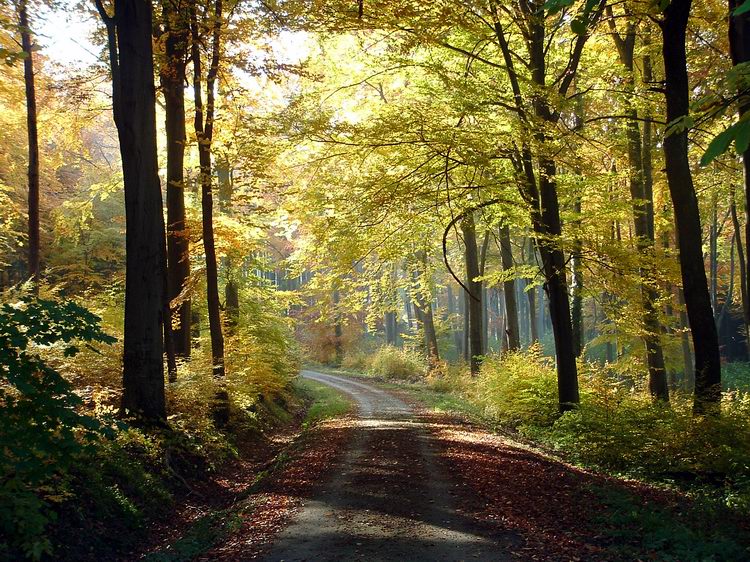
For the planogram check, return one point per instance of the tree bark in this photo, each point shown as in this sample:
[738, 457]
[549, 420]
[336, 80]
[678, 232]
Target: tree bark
[509, 288]
[134, 101]
[33, 141]
[451, 315]
[172, 76]
[742, 266]
[204, 135]
[739, 47]
[641, 194]
[471, 256]
[687, 217]
[576, 276]
[538, 185]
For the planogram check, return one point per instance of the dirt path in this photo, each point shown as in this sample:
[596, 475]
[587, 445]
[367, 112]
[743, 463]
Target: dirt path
[389, 499]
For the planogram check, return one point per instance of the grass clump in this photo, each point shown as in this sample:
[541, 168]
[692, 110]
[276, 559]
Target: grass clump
[325, 402]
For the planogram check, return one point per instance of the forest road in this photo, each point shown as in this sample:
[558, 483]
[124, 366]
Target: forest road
[388, 499]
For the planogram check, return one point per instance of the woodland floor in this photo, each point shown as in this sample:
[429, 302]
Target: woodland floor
[396, 482]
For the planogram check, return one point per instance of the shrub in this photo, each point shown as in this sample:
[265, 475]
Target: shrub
[518, 389]
[401, 364]
[42, 432]
[616, 426]
[356, 360]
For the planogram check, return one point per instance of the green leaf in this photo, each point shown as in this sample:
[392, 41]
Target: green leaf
[742, 8]
[719, 145]
[578, 27]
[742, 138]
[551, 7]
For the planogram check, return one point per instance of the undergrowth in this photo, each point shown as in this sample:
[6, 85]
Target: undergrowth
[79, 482]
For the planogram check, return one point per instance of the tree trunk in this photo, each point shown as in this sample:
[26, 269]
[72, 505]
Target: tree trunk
[463, 305]
[509, 288]
[742, 266]
[451, 315]
[33, 139]
[172, 75]
[641, 194]
[576, 267]
[204, 135]
[338, 331]
[739, 47]
[232, 303]
[687, 217]
[475, 292]
[687, 354]
[134, 101]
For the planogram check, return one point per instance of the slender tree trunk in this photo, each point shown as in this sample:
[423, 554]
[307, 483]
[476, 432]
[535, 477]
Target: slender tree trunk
[134, 101]
[509, 288]
[485, 304]
[33, 140]
[742, 266]
[475, 293]
[204, 135]
[713, 255]
[232, 302]
[172, 75]
[231, 288]
[577, 285]
[687, 217]
[451, 316]
[423, 304]
[641, 192]
[338, 331]
[531, 297]
[687, 354]
[463, 304]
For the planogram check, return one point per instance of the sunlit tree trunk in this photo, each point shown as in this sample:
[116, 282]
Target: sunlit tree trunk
[204, 136]
[33, 141]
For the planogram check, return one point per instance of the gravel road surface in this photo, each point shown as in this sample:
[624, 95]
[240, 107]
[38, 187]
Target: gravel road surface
[389, 499]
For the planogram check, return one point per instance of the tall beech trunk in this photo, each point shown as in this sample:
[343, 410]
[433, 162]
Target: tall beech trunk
[538, 183]
[509, 288]
[641, 194]
[739, 47]
[471, 255]
[134, 101]
[33, 140]
[204, 136]
[687, 217]
[172, 77]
